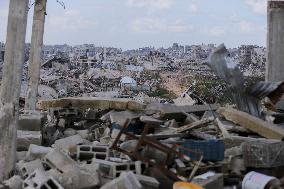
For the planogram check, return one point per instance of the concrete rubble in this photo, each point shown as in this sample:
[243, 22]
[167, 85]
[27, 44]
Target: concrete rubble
[97, 117]
[108, 147]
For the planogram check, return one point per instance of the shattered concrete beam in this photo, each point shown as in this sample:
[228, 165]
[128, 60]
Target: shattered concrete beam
[263, 128]
[195, 125]
[169, 111]
[92, 102]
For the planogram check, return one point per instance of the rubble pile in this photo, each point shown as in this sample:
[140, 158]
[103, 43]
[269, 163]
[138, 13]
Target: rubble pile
[121, 143]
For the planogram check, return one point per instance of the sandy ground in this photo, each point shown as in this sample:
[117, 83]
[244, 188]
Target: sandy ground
[172, 84]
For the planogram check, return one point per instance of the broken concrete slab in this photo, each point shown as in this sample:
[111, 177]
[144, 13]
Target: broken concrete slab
[169, 111]
[93, 102]
[65, 144]
[252, 123]
[36, 151]
[26, 138]
[120, 118]
[127, 180]
[14, 182]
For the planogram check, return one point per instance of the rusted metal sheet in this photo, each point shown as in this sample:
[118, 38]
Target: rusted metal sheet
[247, 100]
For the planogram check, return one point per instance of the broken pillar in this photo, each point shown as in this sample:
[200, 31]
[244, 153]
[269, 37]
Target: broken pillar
[275, 42]
[11, 84]
[35, 54]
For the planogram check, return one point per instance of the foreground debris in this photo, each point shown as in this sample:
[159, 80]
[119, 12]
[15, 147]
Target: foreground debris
[107, 145]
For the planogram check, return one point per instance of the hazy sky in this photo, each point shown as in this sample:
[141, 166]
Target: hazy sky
[137, 23]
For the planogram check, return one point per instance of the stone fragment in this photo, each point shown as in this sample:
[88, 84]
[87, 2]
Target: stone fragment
[127, 180]
[14, 182]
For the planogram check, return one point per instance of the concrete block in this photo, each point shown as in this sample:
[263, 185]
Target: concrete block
[26, 138]
[127, 180]
[30, 122]
[26, 168]
[212, 182]
[65, 144]
[36, 151]
[14, 182]
[148, 182]
[113, 169]
[39, 180]
[60, 161]
[69, 173]
[88, 152]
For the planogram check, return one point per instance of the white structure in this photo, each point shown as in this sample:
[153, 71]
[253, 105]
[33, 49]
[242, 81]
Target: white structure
[126, 83]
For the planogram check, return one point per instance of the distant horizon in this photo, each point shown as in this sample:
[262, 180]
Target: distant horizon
[165, 47]
[143, 46]
[132, 24]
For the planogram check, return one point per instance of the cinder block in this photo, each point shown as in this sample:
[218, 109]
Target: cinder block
[26, 168]
[39, 180]
[70, 173]
[88, 152]
[114, 169]
[59, 161]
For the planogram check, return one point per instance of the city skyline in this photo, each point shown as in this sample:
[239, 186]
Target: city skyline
[130, 24]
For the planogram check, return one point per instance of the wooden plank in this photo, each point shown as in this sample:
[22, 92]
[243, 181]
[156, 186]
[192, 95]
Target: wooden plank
[222, 128]
[259, 126]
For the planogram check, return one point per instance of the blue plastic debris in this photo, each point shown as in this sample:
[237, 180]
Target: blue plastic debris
[212, 150]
